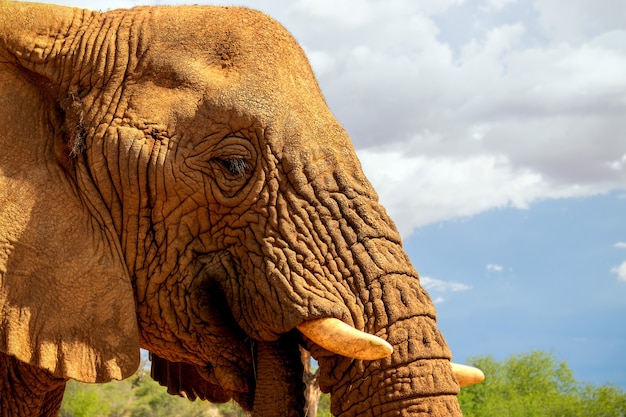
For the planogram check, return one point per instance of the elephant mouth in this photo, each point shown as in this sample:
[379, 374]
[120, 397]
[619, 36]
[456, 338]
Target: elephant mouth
[265, 361]
[272, 367]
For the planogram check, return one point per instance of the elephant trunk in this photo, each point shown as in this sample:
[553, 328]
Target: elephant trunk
[416, 378]
[357, 273]
[280, 387]
[329, 250]
[381, 290]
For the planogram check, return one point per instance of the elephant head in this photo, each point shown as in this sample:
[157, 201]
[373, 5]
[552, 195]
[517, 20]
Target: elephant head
[172, 178]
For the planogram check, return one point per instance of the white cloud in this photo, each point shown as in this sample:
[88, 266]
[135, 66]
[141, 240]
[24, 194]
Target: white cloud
[437, 285]
[418, 190]
[620, 245]
[504, 124]
[438, 300]
[579, 18]
[620, 271]
[321, 62]
[498, 4]
[618, 164]
[495, 268]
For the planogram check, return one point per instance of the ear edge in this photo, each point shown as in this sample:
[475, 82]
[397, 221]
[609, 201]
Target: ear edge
[66, 301]
[85, 365]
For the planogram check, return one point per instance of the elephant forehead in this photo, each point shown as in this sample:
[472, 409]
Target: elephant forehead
[241, 62]
[228, 38]
[233, 56]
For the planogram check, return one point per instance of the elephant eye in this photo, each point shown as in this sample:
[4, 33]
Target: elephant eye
[233, 162]
[235, 166]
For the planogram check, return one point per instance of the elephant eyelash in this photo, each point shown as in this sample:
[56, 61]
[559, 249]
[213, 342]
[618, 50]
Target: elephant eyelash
[236, 166]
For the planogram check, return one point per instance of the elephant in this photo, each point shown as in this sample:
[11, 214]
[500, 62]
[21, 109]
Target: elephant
[171, 178]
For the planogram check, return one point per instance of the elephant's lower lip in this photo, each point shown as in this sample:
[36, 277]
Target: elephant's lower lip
[337, 337]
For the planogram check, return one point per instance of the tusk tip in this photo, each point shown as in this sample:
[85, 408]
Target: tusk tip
[467, 375]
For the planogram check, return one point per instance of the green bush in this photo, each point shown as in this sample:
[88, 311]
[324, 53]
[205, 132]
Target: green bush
[531, 384]
[82, 400]
[138, 396]
[535, 384]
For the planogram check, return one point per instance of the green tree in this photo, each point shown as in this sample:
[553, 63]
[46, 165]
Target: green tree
[531, 384]
[137, 396]
[82, 400]
[323, 409]
[535, 384]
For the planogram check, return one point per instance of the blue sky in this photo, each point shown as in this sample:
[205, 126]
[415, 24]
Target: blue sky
[517, 280]
[495, 134]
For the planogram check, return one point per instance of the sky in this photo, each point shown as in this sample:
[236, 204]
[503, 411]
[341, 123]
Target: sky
[495, 134]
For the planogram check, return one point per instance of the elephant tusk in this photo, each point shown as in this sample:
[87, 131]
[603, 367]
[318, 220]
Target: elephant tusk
[467, 375]
[338, 337]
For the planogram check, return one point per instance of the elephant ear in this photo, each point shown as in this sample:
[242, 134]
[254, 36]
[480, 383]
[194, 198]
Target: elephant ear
[66, 300]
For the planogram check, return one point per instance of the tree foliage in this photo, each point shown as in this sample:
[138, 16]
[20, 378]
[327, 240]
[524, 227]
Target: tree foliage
[535, 384]
[531, 384]
[138, 396]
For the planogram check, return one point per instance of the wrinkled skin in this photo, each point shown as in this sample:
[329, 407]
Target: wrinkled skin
[172, 178]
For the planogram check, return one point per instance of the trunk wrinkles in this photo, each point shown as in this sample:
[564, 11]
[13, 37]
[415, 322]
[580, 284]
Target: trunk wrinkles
[335, 251]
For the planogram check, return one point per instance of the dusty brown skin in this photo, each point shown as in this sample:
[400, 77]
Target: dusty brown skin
[172, 178]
